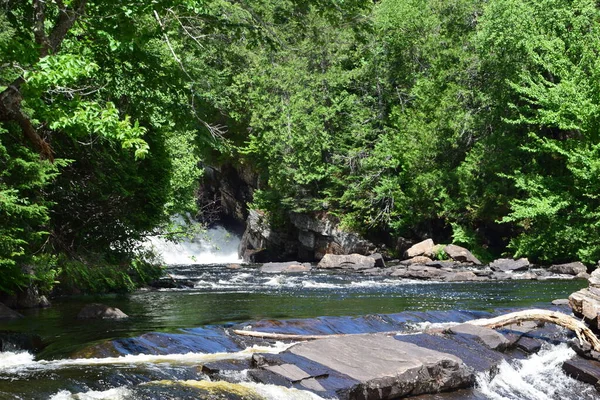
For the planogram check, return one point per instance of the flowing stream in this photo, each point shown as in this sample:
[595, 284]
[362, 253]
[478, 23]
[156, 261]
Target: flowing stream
[158, 353]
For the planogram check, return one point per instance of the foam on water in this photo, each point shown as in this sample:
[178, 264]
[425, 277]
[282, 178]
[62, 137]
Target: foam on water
[539, 377]
[13, 363]
[121, 393]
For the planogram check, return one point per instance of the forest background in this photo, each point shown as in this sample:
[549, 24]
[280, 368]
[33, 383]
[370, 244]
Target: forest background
[469, 121]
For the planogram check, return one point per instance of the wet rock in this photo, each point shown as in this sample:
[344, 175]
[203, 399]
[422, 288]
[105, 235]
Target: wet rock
[170, 283]
[527, 276]
[28, 297]
[374, 367]
[233, 266]
[501, 276]
[587, 371]
[529, 345]
[461, 254]
[560, 302]
[489, 337]
[285, 267]
[419, 249]
[474, 354]
[100, 311]
[8, 313]
[350, 261]
[16, 341]
[508, 265]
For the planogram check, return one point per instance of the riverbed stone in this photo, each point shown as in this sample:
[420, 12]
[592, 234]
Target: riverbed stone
[510, 265]
[584, 370]
[285, 267]
[464, 276]
[100, 311]
[489, 337]
[419, 249]
[420, 260]
[572, 268]
[379, 261]
[385, 368]
[349, 261]
[458, 253]
[8, 313]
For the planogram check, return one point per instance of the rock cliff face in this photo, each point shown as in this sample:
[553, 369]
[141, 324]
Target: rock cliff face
[305, 238]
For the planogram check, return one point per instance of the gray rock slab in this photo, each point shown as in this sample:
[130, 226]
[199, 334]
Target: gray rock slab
[290, 372]
[285, 267]
[573, 268]
[508, 264]
[379, 261]
[477, 356]
[529, 345]
[348, 261]
[492, 339]
[385, 367]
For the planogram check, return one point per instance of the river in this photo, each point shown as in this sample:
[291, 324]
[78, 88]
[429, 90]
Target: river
[158, 352]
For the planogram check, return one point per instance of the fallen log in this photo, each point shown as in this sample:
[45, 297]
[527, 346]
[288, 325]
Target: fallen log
[583, 333]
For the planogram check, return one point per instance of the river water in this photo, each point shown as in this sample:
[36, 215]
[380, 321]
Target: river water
[158, 352]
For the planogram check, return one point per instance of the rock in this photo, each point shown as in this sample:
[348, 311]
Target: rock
[489, 337]
[587, 371]
[28, 297]
[285, 267]
[464, 276]
[420, 260]
[419, 249]
[529, 345]
[526, 276]
[379, 261]
[573, 268]
[100, 311]
[508, 265]
[582, 275]
[501, 276]
[383, 367]
[461, 254]
[7, 313]
[442, 264]
[586, 304]
[233, 266]
[425, 273]
[594, 279]
[350, 261]
[560, 302]
[17, 341]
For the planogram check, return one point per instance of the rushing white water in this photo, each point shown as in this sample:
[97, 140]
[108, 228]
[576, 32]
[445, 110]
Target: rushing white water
[121, 393]
[215, 246]
[539, 377]
[21, 362]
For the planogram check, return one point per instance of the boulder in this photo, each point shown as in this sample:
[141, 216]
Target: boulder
[17, 341]
[350, 261]
[508, 265]
[419, 249]
[100, 311]
[461, 254]
[7, 313]
[285, 267]
[371, 366]
[560, 302]
[573, 268]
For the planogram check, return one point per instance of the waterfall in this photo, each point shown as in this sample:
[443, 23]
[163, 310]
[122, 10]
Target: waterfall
[213, 246]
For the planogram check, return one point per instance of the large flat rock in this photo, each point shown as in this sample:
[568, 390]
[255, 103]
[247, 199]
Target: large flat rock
[373, 366]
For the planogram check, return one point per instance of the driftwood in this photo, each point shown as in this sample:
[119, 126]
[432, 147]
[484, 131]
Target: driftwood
[584, 334]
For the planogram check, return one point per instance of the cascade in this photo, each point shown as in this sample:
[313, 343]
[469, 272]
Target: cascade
[215, 246]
